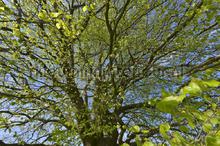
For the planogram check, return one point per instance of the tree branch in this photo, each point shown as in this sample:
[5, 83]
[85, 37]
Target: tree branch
[134, 106]
[16, 144]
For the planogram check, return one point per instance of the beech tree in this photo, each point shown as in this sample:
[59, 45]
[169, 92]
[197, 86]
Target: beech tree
[109, 72]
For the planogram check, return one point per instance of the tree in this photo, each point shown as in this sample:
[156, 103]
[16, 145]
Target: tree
[109, 72]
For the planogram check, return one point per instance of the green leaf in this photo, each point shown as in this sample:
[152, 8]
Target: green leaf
[214, 121]
[16, 32]
[169, 104]
[145, 131]
[177, 139]
[199, 115]
[218, 19]
[165, 93]
[191, 123]
[208, 113]
[54, 14]
[147, 6]
[13, 103]
[68, 123]
[212, 140]
[165, 127]
[43, 15]
[207, 127]
[2, 9]
[147, 143]
[152, 102]
[212, 83]
[135, 129]
[163, 130]
[193, 88]
[85, 8]
[138, 140]
[125, 144]
[184, 129]
[214, 106]
[59, 25]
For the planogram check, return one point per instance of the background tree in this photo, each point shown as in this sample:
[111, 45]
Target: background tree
[109, 72]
